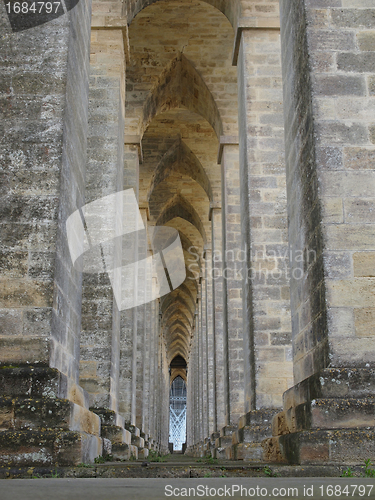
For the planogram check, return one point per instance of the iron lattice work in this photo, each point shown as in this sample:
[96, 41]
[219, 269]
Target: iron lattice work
[177, 413]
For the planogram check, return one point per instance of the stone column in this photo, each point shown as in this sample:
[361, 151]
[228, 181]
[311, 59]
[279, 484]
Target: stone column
[147, 361]
[141, 329]
[222, 435]
[210, 343]
[217, 300]
[164, 410]
[43, 170]
[205, 354]
[266, 310]
[44, 115]
[232, 283]
[128, 317]
[202, 375]
[328, 95]
[189, 412]
[198, 375]
[100, 336]
[153, 363]
[103, 322]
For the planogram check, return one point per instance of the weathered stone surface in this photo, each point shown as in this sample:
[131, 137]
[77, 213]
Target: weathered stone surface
[278, 241]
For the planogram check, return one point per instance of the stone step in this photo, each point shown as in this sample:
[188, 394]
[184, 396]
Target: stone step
[23, 448]
[322, 413]
[32, 382]
[122, 451]
[40, 381]
[137, 441]
[341, 446]
[251, 434]
[249, 452]
[228, 430]
[188, 469]
[257, 418]
[117, 435]
[334, 383]
[223, 441]
[17, 413]
[143, 453]
[109, 417]
[132, 429]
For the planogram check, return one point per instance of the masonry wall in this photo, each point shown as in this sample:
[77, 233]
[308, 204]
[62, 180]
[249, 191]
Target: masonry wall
[327, 74]
[44, 98]
[99, 365]
[264, 232]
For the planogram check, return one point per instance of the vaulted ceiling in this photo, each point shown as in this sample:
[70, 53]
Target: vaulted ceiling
[181, 97]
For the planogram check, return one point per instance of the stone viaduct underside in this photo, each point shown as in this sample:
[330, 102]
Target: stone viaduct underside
[247, 126]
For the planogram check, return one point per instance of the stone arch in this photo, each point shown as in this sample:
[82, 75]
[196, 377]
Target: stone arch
[178, 206]
[183, 292]
[229, 8]
[177, 342]
[180, 85]
[179, 314]
[178, 372]
[178, 306]
[177, 325]
[179, 158]
[176, 347]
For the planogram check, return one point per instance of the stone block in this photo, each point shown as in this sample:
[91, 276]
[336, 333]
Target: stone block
[272, 452]
[372, 133]
[332, 383]
[371, 85]
[107, 447]
[331, 40]
[364, 264]
[359, 63]
[249, 452]
[27, 293]
[357, 292]
[223, 442]
[143, 453]
[359, 158]
[49, 447]
[345, 446]
[342, 413]
[366, 41]
[123, 451]
[350, 237]
[340, 85]
[353, 18]
[364, 322]
[338, 133]
[137, 441]
[32, 382]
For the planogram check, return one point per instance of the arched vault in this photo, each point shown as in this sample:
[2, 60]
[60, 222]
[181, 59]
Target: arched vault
[178, 206]
[179, 158]
[180, 85]
[229, 8]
